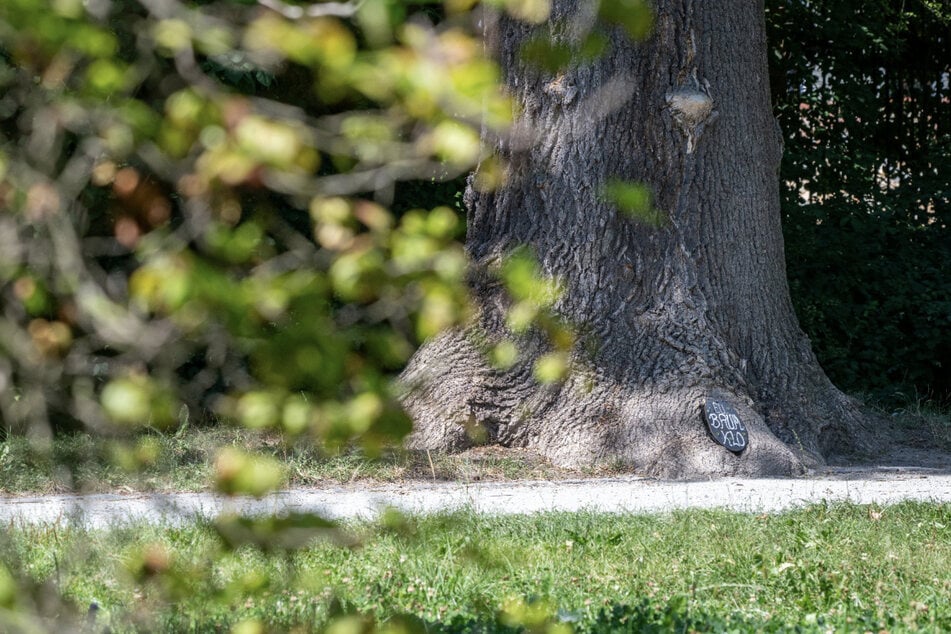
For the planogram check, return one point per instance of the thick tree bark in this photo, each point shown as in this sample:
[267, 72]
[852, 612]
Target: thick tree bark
[668, 316]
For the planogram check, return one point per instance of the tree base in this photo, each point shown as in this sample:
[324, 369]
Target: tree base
[457, 400]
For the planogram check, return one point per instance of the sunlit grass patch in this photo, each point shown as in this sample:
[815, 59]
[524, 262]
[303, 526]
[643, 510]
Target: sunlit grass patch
[845, 567]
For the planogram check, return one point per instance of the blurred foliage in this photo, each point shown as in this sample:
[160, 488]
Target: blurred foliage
[246, 211]
[862, 94]
[634, 200]
[195, 215]
[238, 209]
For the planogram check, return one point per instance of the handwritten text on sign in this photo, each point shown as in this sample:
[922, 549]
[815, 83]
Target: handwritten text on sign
[725, 425]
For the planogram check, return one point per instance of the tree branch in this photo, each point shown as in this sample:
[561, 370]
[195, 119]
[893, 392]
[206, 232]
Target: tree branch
[316, 10]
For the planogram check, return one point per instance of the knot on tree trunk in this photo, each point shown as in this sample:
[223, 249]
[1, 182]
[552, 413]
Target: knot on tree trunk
[692, 110]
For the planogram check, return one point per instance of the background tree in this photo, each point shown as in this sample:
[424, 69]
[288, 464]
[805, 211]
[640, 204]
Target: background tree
[861, 92]
[683, 298]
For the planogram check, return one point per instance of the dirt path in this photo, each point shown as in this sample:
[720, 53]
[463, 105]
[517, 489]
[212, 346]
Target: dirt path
[861, 485]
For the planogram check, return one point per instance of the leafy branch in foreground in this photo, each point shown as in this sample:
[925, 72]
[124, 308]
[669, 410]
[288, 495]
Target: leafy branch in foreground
[196, 224]
[197, 214]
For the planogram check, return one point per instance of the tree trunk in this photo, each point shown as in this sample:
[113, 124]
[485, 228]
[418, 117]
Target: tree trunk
[667, 315]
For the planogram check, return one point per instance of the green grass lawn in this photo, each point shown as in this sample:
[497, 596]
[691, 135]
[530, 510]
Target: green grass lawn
[823, 568]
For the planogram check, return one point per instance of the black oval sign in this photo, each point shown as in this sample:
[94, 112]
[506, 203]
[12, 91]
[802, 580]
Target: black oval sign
[725, 425]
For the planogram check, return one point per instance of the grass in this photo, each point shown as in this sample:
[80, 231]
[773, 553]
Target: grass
[823, 568]
[932, 423]
[184, 462]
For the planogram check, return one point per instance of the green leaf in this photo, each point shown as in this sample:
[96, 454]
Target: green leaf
[127, 401]
[634, 200]
[504, 355]
[106, 77]
[270, 533]
[138, 401]
[258, 410]
[553, 56]
[542, 52]
[634, 16]
[533, 11]
[551, 367]
[238, 472]
[172, 35]
[8, 588]
[456, 144]
[525, 281]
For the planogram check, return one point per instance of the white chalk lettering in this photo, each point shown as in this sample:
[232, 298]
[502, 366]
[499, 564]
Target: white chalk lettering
[725, 426]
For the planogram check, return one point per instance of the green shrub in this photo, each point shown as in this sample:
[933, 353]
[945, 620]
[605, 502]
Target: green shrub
[860, 91]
